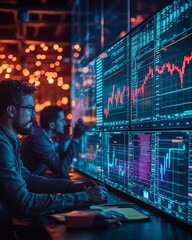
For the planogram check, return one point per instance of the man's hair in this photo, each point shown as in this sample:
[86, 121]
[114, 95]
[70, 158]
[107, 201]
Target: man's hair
[11, 92]
[49, 114]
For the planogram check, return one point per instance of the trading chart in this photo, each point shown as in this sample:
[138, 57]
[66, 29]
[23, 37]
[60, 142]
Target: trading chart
[142, 76]
[91, 155]
[116, 159]
[160, 170]
[173, 66]
[161, 90]
[142, 165]
[171, 194]
[116, 86]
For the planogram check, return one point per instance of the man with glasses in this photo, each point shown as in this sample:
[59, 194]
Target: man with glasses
[23, 194]
[38, 152]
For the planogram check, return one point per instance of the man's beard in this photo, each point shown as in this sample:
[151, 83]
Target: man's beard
[23, 129]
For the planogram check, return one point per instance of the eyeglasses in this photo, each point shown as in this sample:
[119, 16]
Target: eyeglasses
[31, 109]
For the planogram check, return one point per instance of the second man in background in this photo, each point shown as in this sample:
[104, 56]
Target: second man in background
[38, 151]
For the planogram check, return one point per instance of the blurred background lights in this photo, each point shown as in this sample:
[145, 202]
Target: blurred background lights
[65, 100]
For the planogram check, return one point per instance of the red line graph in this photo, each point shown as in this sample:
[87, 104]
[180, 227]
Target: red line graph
[116, 98]
[171, 68]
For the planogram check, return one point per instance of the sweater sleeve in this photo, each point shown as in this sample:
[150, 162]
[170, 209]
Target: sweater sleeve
[40, 184]
[18, 189]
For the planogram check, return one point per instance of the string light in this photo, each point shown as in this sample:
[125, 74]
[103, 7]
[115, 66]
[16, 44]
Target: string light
[65, 100]
[11, 62]
[55, 46]
[59, 57]
[69, 116]
[7, 75]
[65, 86]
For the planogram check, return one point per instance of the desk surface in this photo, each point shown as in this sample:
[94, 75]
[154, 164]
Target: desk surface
[158, 227]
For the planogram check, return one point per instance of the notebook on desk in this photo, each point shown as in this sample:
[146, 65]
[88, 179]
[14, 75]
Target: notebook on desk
[92, 217]
[132, 214]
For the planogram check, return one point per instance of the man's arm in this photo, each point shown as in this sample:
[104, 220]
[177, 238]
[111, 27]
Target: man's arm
[20, 198]
[18, 190]
[73, 148]
[68, 156]
[44, 153]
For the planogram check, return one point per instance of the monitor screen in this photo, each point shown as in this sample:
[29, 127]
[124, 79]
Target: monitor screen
[83, 96]
[159, 165]
[161, 56]
[116, 85]
[143, 112]
[91, 155]
[112, 86]
[143, 85]
[115, 159]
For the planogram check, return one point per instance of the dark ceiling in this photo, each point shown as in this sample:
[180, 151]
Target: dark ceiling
[24, 22]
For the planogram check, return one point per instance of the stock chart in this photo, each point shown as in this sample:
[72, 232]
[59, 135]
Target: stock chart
[159, 164]
[171, 193]
[161, 92]
[115, 159]
[116, 86]
[91, 155]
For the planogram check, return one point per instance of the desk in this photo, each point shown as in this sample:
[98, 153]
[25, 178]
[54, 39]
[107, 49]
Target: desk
[158, 228]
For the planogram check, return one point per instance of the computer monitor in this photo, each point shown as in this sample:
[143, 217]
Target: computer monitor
[116, 159]
[161, 58]
[159, 166]
[83, 96]
[143, 113]
[90, 160]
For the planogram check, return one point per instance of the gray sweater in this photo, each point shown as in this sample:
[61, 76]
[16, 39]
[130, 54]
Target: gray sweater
[23, 194]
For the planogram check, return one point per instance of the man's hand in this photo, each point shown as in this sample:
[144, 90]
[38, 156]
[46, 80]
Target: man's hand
[112, 214]
[79, 129]
[82, 186]
[97, 194]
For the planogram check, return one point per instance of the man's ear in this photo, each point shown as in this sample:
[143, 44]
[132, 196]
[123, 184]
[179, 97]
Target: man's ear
[51, 125]
[11, 111]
